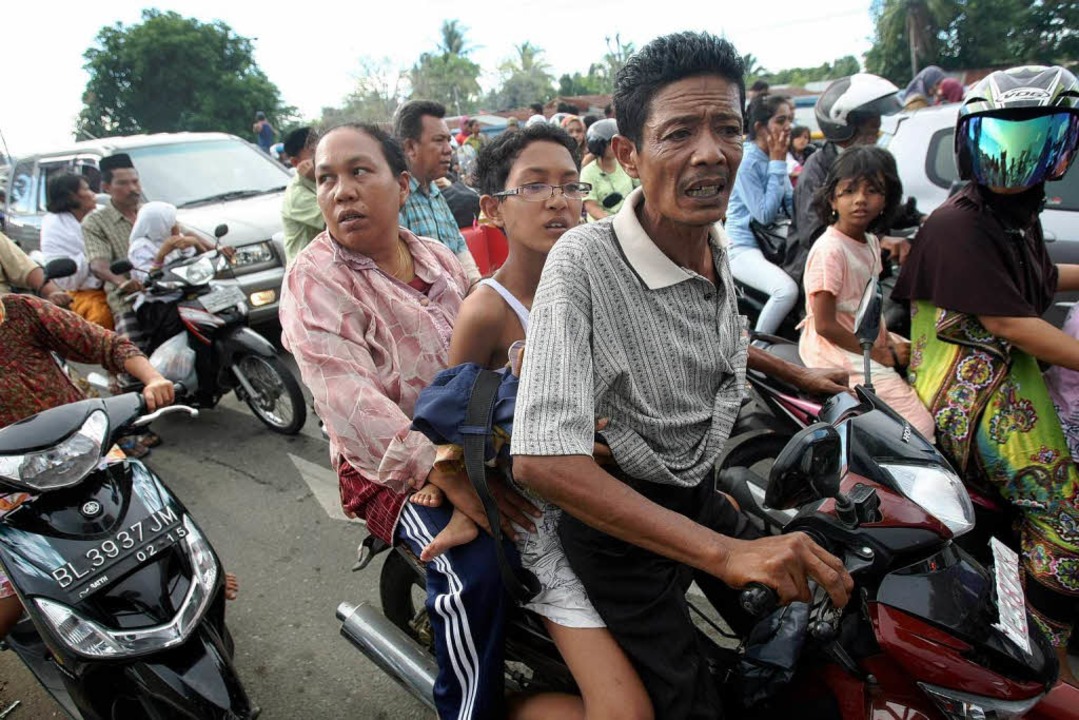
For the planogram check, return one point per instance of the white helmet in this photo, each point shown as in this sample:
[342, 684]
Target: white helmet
[847, 102]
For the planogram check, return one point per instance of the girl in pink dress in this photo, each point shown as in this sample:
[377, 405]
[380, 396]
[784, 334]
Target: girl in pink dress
[861, 194]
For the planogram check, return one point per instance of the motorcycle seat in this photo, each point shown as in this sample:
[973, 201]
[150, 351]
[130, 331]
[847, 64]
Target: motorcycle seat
[780, 347]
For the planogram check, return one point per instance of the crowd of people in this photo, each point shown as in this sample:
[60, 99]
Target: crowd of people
[616, 313]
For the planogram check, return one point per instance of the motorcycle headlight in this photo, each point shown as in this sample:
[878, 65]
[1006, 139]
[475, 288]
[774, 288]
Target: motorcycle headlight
[89, 639]
[253, 254]
[199, 272]
[939, 491]
[62, 465]
[957, 705]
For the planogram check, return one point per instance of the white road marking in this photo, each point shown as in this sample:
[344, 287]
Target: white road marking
[323, 484]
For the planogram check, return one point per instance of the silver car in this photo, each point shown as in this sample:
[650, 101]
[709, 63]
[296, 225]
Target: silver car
[923, 145]
[212, 178]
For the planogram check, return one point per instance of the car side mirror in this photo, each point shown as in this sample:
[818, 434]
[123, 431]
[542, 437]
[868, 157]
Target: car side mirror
[807, 470]
[870, 313]
[60, 268]
[120, 267]
[221, 231]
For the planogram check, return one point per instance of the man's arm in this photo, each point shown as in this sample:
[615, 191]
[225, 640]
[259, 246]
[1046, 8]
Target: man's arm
[823, 382]
[581, 487]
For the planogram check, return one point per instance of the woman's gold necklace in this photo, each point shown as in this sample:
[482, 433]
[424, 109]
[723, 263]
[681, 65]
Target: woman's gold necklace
[404, 267]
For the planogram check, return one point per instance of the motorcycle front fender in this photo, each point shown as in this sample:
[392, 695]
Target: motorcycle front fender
[243, 340]
[196, 680]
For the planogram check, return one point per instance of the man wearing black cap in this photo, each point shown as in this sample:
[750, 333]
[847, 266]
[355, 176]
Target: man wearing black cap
[107, 232]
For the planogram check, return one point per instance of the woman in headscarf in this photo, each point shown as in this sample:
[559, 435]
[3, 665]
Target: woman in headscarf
[922, 91]
[156, 241]
[70, 199]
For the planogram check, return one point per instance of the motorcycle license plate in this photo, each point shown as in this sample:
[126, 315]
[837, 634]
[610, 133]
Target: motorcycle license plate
[142, 539]
[222, 297]
[1011, 603]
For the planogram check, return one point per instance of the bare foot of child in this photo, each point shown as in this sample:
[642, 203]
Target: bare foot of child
[232, 586]
[460, 530]
[428, 496]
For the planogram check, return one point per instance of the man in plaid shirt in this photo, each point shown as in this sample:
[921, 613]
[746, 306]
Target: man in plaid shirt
[423, 133]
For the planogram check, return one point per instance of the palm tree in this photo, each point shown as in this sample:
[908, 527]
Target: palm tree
[453, 39]
[753, 66]
[920, 21]
[528, 59]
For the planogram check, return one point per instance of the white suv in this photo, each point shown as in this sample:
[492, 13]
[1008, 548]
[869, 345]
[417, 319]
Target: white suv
[212, 178]
[923, 145]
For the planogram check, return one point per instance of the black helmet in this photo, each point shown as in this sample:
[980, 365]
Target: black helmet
[1019, 127]
[599, 136]
[847, 102]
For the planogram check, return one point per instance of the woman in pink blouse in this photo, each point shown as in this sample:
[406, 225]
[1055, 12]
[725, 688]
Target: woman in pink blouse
[367, 310]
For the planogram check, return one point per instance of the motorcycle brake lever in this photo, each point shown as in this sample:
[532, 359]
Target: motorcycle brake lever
[147, 419]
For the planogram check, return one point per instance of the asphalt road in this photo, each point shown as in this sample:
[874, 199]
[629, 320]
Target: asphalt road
[242, 485]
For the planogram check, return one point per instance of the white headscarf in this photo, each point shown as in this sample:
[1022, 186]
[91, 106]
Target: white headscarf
[152, 228]
[154, 222]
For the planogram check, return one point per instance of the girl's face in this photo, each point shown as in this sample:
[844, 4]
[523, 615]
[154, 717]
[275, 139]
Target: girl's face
[799, 143]
[576, 131]
[858, 202]
[86, 197]
[780, 122]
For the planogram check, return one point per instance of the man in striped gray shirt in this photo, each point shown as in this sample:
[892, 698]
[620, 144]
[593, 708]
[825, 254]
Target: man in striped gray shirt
[635, 320]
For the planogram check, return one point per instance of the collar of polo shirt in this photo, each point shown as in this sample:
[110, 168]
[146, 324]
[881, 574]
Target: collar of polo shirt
[652, 266]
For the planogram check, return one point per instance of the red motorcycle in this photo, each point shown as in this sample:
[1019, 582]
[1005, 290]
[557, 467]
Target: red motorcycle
[930, 632]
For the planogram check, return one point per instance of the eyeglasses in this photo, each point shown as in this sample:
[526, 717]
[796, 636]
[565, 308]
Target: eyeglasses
[538, 192]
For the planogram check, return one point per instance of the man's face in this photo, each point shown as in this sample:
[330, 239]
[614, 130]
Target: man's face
[535, 225]
[358, 193]
[429, 157]
[124, 189]
[690, 150]
[868, 132]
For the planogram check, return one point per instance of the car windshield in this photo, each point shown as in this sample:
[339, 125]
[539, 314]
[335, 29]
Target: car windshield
[185, 173]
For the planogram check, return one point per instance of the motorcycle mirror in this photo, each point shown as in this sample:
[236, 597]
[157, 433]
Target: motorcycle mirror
[221, 231]
[868, 318]
[59, 268]
[808, 469]
[120, 267]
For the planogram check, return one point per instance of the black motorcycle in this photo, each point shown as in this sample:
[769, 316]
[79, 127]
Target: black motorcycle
[225, 354]
[124, 595]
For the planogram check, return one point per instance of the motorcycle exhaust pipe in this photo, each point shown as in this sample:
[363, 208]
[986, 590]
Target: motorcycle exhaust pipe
[394, 652]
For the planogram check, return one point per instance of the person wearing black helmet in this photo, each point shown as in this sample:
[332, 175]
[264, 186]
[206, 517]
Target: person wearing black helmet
[848, 113]
[610, 183]
[979, 278]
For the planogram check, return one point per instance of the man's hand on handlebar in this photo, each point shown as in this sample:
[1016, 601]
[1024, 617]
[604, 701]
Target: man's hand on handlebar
[511, 504]
[785, 563]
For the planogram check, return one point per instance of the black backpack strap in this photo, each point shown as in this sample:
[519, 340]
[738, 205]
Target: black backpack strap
[521, 584]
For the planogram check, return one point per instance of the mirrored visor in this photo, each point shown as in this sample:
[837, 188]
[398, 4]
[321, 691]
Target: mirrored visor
[1021, 153]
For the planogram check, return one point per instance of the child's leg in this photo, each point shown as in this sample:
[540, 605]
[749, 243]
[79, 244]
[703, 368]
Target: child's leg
[429, 496]
[610, 687]
[460, 530]
[10, 612]
[902, 398]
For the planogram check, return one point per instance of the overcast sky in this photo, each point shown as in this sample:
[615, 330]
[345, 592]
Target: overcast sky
[311, 51]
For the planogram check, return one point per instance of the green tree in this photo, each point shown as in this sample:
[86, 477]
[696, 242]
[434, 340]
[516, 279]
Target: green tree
[448, 76]
[525, 79]
[594, 83]
[754, 70]
[170, 73]
[375, 98]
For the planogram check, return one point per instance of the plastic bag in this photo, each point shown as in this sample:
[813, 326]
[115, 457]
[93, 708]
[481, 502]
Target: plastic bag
[174, 358]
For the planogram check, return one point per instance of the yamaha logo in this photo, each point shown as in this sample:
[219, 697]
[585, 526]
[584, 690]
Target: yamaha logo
[91, 509]
[1027, 93]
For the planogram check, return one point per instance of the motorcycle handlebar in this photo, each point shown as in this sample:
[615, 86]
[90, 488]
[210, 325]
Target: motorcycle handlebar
[758, 599]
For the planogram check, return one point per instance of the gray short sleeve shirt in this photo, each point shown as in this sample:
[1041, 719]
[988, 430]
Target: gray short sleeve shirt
[618, 330]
